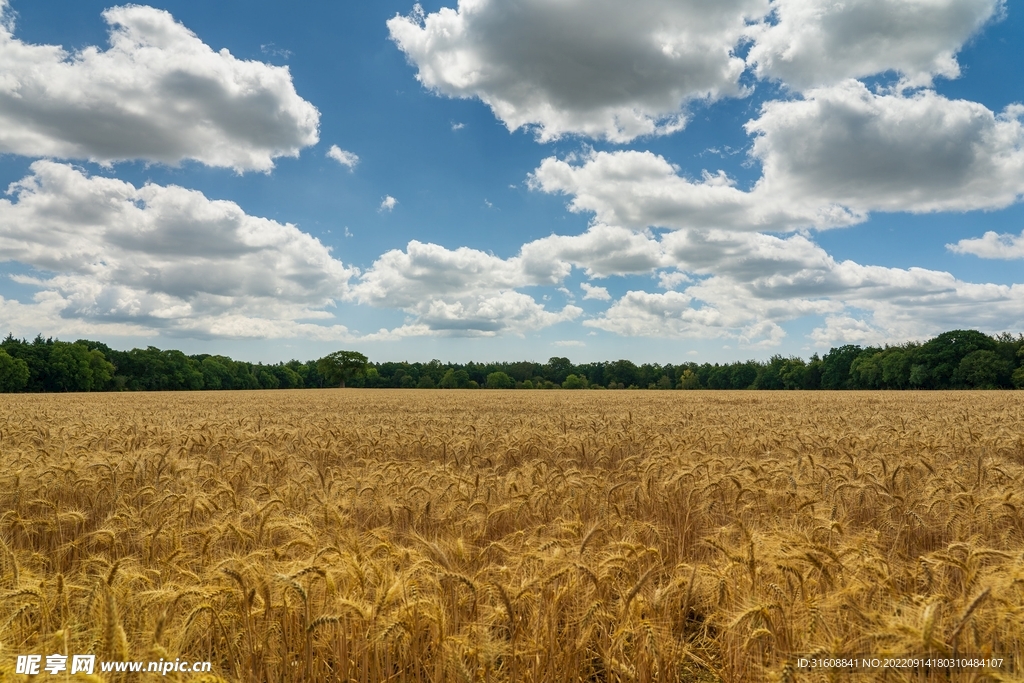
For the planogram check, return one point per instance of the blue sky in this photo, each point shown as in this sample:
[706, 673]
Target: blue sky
[666, 181]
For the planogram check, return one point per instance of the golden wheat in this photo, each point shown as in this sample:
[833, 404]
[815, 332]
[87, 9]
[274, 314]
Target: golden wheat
[426, 536]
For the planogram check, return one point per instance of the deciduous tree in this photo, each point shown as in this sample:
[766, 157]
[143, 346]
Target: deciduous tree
[341, 366]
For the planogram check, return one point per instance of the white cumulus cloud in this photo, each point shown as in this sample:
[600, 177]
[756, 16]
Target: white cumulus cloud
[991, 245]
[734, 285]
[845, 329]
[388, 204]
[601, 251]
[344, 158]
[814, 43]
[665, 314]
[673, 279]
[828, 160]
[606, 69]
[846, 146]
[722, 284]
[619, 70]
[744, 286]
[462, 291]
[636, 190]
[594, 292]
[165, 258]
[830, 155]
[158, 94]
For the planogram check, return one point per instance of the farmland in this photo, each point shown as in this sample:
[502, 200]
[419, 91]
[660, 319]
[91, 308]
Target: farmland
[369, 535]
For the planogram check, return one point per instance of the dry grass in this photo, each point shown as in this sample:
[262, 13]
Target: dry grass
[517, 536]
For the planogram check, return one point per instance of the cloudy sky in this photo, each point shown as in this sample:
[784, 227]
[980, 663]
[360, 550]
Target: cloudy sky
[660, 180]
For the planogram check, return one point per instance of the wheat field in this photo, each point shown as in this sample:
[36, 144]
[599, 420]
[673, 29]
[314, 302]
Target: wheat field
[607, 537]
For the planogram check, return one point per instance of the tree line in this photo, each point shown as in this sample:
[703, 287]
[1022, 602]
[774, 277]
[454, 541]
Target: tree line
[959, 359]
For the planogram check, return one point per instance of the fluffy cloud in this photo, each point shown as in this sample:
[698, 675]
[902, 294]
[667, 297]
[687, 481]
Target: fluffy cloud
[829, 157]
[596, 293]
[680, 315]
[723, 283]
[645, 314]
[470, 292]
[640, 189]
[845, 329]
[814, 43]
[165, 258]
[158, 93]
[717, 308]
[828, 160]
[862, 151]
[400, 279]
[489, 314]
[922, 303]
[621, 70]
[745, 257]
[991, 245]
[744, 285]
[344, 158]
[127, 260]
[465, 291]
[601, 251]
[671, 280]
[603, 69]
[388, 204]
[45, 315]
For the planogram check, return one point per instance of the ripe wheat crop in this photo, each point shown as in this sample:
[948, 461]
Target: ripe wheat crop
[521, 537]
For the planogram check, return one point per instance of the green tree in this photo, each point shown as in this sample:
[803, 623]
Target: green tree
[454, 379]
[742, 375]
[216, 374]
[943, 355]
[73, 367]
[521, 371]
[896, 369]
[499, 380]
[268, 380]
[835, 366]
[36, 355]
[688, 379]
[372, 377]
[557, 369]
[574, 382]
[769, 375]
[720, 377]
[793, 373]
[622, 372]
[151, 369]
[13, 373]
[243, 377]
[341, 366]
[866, 370]
[983, 369]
